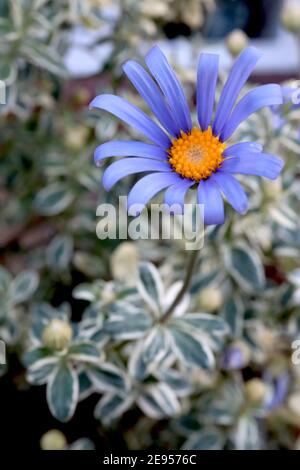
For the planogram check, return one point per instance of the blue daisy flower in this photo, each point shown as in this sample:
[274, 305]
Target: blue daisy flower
[180, 155]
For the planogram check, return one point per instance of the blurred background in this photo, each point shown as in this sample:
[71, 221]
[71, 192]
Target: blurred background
[55, 57]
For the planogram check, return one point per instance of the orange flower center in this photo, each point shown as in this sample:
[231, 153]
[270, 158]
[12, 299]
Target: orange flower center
[196, 155]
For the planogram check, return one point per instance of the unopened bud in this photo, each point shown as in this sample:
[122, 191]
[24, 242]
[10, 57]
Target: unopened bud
[148, 26]
[236, 41]
[193, 16]
[124, 263]
[237, 356]
[291, 17]
[273, 188]
[57, 334]
[210, 299]
[75, 137]
[256, 390]
[156, 9]
[264, 236]
[294, 404]
[53, 440]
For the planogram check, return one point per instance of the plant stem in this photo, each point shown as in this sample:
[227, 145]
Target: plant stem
[191, 264]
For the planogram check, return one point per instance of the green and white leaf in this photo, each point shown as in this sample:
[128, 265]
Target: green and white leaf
[190, 349]
[23, 286]
[159, 401]
[232, 312]
[171, 295]
[5, 280]
[127, 325]
[204, 280]
[246, 435]
[44, 56]
[112, 406]
[88, 292]
[206, 439]
[150, 286]
[202, 323]
[39, 373]
[89, 328]
[148, 353]
[82, 444]
[36, 354]
[245, 266]
[53, 199]
[108, 378]
[285, 216]
[86, 387]
[175, 380]
[59, 252]
[63, 392]
[84, 351]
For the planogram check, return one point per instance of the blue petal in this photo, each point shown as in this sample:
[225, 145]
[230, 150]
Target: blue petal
[262, 164]
[232, 190]
[170, 86]
[148, 186]
[132, 116]
[242, 148]
[287, 93]
[123, 148]
[207, 77]
[210, 196]
[238, 76]
[175, 194]
[130, 166]
[260, 97]
[150, 92]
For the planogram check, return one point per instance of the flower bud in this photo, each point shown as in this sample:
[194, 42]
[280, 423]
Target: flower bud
[236, 356]
[154, 9]
[236, 42]
[53, 440]
[75, 137]
[124, 263]
[266, 339]
[148, 26]
[210, 299]
[264, 236]
[294, 404]
[256, 390]
[57, 334]
[202, 378]
[193, 16]
[291, 17]
[273, 188]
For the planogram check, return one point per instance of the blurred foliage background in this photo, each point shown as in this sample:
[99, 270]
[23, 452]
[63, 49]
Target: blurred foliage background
[88, 362]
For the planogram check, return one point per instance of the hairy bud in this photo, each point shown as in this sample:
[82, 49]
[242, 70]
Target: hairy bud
[57, 334]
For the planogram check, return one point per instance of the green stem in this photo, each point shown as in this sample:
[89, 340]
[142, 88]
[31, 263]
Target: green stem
[191, 264]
